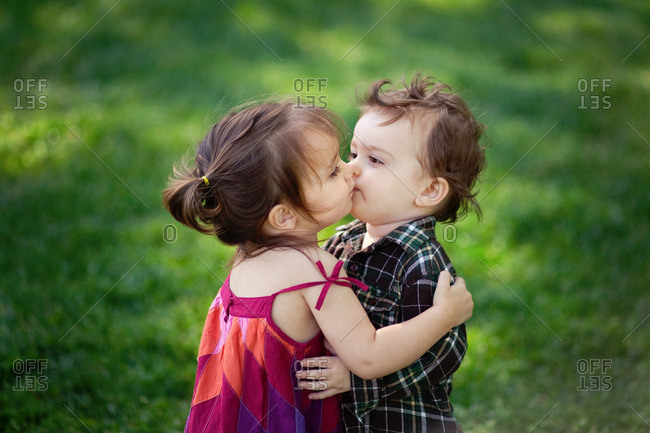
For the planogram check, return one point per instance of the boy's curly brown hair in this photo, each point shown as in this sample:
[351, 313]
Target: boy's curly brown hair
[450, 149]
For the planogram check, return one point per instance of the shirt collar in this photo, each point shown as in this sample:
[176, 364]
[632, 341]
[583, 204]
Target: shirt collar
[410, 236]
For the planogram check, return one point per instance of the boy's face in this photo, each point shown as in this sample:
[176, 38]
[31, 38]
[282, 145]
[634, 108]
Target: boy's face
[386, 171]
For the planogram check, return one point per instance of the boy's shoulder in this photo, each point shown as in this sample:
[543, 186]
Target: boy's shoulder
[345, 234]
[416, 234]
[423, 254]
[353, 228]
[428, 260]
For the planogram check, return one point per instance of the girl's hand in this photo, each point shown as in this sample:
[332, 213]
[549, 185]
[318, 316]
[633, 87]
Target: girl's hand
[326, 375]
[454, 301]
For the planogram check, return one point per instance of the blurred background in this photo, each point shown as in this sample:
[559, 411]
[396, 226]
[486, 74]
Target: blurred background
[103, 295]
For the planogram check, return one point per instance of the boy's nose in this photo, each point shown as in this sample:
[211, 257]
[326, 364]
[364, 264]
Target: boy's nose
[352, 169]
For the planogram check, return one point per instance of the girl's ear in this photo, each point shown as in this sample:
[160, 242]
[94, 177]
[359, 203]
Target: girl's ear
[282, 218]
[434, 193]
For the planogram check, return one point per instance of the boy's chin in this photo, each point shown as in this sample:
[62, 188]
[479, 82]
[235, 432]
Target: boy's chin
[358, 216]
[354, 214]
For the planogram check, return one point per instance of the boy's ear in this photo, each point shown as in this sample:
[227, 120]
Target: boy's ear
[434, 193]
[282, 217]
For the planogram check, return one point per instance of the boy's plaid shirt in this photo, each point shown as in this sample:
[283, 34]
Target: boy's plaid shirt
[402, 271]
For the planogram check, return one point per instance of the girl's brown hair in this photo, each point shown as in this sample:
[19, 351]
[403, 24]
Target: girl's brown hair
[451, 148]
[252, 160]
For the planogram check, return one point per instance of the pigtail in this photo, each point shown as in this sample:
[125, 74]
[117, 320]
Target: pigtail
[182, 199]
[193, 200]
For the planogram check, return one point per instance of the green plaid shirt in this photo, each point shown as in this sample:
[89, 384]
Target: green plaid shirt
[402, 271]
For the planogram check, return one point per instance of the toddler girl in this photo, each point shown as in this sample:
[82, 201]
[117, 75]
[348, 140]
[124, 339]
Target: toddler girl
[267, 179]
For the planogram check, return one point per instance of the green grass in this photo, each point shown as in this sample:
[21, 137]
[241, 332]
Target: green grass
[89, 283]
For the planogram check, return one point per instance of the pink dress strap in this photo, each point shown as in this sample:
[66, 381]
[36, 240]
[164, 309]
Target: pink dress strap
[329, 280]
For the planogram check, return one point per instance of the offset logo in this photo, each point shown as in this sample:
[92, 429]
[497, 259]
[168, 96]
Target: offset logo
[30, 374]
[30, 93]
[310, 91]
[593, 374]
[593, 93]
[314, 368]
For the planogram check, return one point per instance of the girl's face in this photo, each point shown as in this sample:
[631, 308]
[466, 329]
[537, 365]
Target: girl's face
[328, 191]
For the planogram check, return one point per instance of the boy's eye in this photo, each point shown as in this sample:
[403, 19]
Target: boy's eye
[374, 160]
[351, 156]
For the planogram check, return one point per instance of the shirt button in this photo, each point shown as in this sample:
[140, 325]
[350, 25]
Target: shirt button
[354, 267]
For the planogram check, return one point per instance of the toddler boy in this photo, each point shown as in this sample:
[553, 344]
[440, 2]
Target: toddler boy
[415, 158]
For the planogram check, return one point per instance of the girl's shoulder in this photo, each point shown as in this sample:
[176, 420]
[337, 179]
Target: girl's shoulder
[277, 270]
[306, 263]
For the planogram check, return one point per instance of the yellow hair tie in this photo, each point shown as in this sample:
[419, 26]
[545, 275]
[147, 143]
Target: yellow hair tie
[205, 180]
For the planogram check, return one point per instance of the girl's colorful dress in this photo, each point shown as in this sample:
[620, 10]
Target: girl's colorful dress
[245, 379]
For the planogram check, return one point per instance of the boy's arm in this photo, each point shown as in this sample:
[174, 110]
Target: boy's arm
[439, 362]
[419, 376]
[371, 352]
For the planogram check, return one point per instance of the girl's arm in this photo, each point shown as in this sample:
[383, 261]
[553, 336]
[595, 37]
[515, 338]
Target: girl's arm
[370, 353]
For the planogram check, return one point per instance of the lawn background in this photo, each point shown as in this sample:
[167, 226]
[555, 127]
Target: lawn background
[102, 285]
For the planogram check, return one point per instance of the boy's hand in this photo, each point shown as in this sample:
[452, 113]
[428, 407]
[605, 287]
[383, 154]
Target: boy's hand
[454, 301]
[329, 378]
